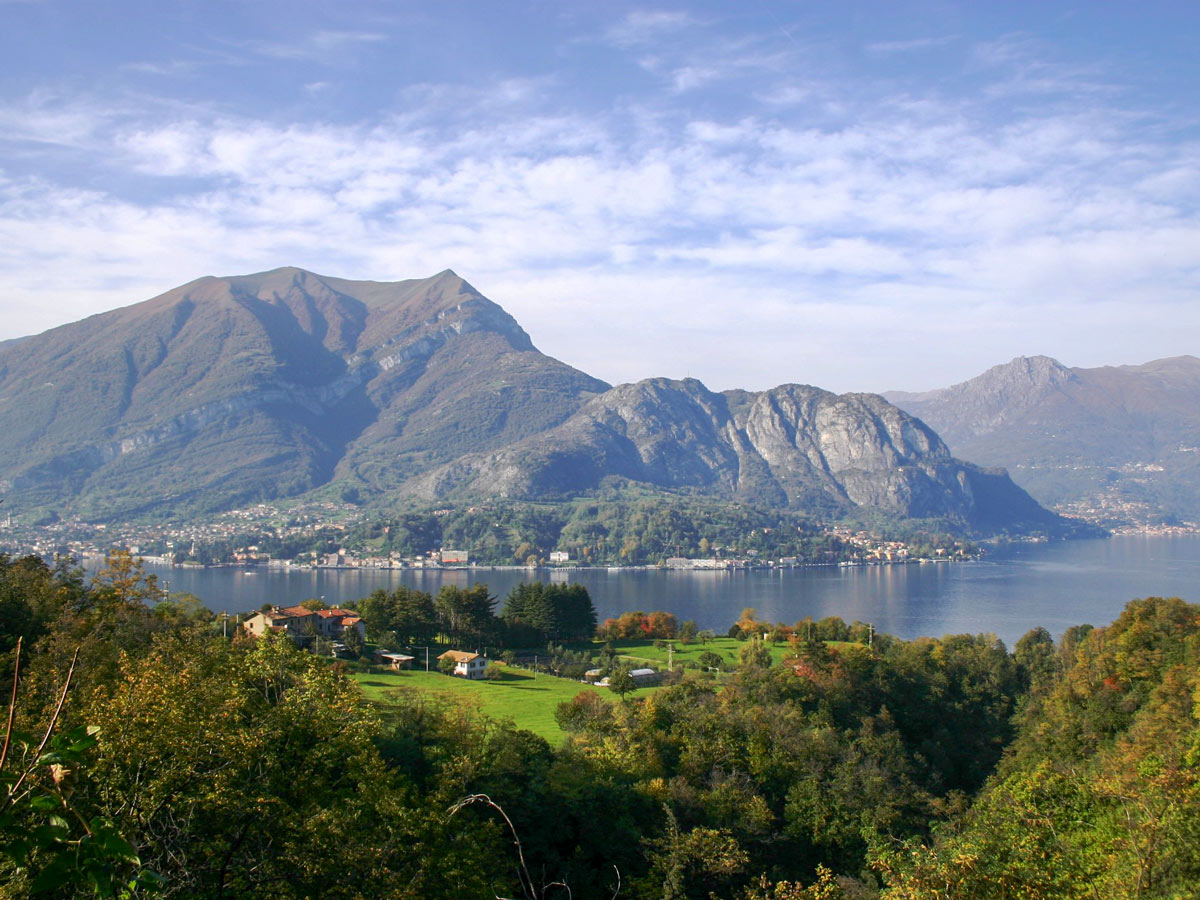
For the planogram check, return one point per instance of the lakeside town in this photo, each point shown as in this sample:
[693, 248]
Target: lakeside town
[227, 541]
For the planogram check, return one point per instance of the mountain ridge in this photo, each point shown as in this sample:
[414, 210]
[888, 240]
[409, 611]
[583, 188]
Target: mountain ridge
[229, 390]
[1117, 444]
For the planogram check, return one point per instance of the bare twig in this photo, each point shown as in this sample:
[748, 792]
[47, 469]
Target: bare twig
[12, 705]
[525, 878]
[62, 699]
[527, 884]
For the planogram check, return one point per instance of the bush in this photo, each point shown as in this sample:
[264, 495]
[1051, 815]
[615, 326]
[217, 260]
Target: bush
[585, 709]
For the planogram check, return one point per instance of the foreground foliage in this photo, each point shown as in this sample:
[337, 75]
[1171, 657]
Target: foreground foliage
[1100, 794]
[186, 765]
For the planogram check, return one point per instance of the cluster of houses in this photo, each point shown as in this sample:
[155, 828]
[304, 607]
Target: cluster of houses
[300, 623]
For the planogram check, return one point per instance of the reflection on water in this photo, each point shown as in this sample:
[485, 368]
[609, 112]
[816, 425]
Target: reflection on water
[1011, 591]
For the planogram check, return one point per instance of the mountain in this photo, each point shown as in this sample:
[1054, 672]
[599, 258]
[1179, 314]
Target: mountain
[229, 391]
[792, 446]
[1116, 444]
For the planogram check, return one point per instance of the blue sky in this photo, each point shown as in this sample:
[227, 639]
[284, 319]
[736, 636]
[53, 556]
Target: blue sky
[861, 196]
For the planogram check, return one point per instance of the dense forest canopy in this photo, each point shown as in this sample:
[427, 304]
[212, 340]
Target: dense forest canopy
[150, 756]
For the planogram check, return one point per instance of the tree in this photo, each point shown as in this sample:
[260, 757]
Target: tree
[678, 858]
[405, 612]
[755, 655]
[1038, 660]
[826, 887]
[232, 762]
[123, 582]
[621, 683]
[710, 660]
[51, 842]
[467, 615]
[558, 612]
[582, 711]
[354, 642]
[32, 598]
[687, 632]
[748, 623]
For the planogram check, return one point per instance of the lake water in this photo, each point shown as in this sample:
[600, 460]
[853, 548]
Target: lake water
[1008, 592]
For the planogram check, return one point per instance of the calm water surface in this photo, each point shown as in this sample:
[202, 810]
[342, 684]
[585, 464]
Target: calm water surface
[1007, 593]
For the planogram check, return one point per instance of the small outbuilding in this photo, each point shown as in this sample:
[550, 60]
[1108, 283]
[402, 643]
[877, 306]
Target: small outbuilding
[393, 660]
[643, 677]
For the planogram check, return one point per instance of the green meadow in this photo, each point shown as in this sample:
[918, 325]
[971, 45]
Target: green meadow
[644, 651]
[527, 698]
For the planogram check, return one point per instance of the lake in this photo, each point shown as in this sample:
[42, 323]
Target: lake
[1008, 592]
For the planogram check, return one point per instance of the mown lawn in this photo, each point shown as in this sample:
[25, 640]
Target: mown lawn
[528, 698]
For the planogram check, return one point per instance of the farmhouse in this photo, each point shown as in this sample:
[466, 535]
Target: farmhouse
[467, 665]
[299, 623]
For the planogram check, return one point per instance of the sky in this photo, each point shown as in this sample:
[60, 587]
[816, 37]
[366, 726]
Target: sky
[858, 195]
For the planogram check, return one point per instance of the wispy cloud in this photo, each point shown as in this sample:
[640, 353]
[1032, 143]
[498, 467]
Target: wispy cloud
[810, 217]
[319, 46]
[645, 26]
[911, 46]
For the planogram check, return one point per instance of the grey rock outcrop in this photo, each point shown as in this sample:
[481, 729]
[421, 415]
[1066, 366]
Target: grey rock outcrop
[794, 445]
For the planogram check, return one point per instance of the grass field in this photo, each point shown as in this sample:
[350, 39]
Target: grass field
[527, 698]
[726, 647]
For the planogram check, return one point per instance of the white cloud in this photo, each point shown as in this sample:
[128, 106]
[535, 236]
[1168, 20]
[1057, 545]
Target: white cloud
[814, 233]
[645, 26]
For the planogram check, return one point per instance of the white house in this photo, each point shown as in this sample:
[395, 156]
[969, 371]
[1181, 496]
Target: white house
[466, 665]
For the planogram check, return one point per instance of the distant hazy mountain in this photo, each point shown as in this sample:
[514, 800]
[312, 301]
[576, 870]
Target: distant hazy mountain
[1118, 443]
[227, 391]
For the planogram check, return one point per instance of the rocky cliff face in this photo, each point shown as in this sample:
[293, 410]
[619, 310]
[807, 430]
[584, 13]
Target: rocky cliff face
[794, 445]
